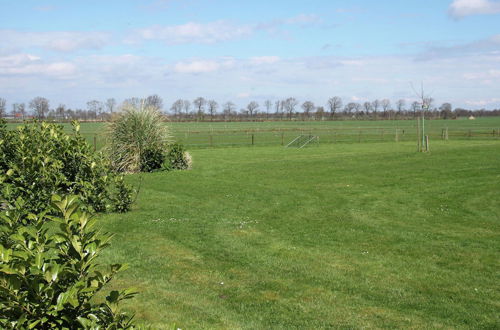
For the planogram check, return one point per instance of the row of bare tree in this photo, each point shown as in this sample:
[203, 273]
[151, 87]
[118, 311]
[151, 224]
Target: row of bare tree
[202, 109]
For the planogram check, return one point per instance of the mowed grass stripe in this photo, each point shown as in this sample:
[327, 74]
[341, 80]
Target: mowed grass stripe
[362, 235]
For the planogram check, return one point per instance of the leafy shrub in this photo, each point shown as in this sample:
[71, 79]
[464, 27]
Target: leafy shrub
[137, 139]
[177, 158]
[48, 272]
[39, 160]
[123, 196]
[152, 160]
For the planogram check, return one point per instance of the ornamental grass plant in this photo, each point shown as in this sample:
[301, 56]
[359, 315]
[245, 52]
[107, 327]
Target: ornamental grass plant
[137, 139]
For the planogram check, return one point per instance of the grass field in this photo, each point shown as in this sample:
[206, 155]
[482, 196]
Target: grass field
[339, 235]
[218, 134]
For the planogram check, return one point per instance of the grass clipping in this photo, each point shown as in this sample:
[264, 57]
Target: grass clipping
[134, 133]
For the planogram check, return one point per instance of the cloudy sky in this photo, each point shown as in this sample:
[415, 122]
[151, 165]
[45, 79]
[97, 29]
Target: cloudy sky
[73, 51]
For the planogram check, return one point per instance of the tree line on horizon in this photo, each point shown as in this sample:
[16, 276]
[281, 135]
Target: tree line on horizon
[201, 109]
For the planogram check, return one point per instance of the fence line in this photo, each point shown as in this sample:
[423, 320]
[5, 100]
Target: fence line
[256, 137]
[338, 135]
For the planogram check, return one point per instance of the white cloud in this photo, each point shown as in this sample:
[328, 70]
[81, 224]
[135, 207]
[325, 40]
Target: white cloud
[216, 31]
[457, 79]
[482, 75]
[60, 41]
[17, 60]
[243, 95]
[258, 60]
[192, 32]
[26, 64]
[353, 62]
[490, 46]
[482, 103]
[462, 8]
[196, 67]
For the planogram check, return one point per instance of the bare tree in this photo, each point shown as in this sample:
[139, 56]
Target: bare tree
[375, 106]
[357, 108]
[95, 107]
[229, 108]
[251, 107]
[134, 102]
[154, 101]
[350, 107]
[290, 104]
[177, 107]
[199, 103]
[414, 107]
[268, 104]
[15, 110]
[400, 105]
[386, 105]
[334, 104]
[445, 110]
[212, 108]
[61, 111]
[243, 112]
[308, 107]
[368, 107]
[40, 106]
[320, 112]
[110, 104]
[187, 106]
[3, 106]
[21, 108]
[427, 103]
[277, 106]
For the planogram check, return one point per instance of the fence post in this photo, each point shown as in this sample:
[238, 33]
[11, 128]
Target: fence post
[282, 138]
[252, 139]
[95, 142]
[427, 147]
[419, 147]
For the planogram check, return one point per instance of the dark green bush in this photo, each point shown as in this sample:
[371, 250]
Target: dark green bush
[152, 160]
[49, 277]
[177, 158]
[38, 160]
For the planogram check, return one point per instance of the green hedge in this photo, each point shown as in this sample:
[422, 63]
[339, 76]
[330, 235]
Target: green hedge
[38, 160]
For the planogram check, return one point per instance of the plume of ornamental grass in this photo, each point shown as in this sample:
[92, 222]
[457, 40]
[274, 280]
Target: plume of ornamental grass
[135, 135]
[189, 160]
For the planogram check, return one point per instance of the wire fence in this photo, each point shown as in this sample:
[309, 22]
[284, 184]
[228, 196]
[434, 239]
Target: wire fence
[342, 135]
[282, 136]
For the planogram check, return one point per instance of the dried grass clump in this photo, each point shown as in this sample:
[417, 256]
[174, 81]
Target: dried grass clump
[188, 160]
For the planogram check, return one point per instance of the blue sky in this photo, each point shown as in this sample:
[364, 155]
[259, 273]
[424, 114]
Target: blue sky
[239, 51]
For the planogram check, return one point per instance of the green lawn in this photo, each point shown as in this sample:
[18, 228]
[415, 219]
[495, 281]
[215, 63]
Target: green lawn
[275, 133]
[340, 235]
